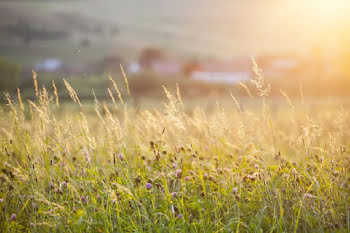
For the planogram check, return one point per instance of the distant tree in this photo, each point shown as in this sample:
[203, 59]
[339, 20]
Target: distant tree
[9, 75]
[149, 55]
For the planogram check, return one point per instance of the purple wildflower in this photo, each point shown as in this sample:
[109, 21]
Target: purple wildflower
[174, 194]
[234, 190]
[13, 217]
[205, 175]
[98, 197]
[187, 178]
[149, 186]
[83, 199]
[64, 184]
[178, 173]
[1, 200]
[32, 224]
[180, 216]
[121, 156]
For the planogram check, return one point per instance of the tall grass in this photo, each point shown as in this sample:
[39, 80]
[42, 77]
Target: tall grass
[235, 169]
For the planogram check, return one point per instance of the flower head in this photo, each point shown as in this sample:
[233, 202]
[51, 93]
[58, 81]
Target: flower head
[121, 156]
[180, 216]
[13, 217]
[234, 190]
[149, 186]
[174, 194]
[178, 173]
[187, 178]
[64, 184]
[1, 200]
[83, 199]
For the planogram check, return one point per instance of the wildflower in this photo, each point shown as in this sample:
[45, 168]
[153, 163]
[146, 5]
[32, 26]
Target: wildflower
[98, 197]
[174, 165]
[178, 173]
[174, 194]
[64, 184]
[51, 184]
[13, 217]
[32, 224]
[121, 156]
[186, 178]
[83, 199]
[205, 175]
[294, 172]
[256, 166]
[149, 186]
[1, 200]
[234, 190]
[180, 216]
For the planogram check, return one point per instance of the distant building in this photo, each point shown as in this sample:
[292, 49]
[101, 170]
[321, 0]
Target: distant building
[230, 71]
[221, 77]
[49, 65]
[167, 67]
[278, 66]
[160, 67]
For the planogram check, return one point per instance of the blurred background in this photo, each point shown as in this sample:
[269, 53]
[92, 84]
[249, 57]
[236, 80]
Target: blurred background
[205, 46]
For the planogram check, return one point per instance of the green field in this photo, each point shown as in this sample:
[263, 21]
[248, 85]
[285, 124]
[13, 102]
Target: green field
[245, 165]
[95, 151]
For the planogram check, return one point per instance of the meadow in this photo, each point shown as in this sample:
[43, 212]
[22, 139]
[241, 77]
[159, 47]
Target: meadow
[253, 167]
